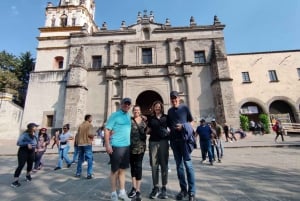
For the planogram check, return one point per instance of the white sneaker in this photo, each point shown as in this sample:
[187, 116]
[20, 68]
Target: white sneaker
[114, 197]
[124, 197]
[203, 161]
[84, 163]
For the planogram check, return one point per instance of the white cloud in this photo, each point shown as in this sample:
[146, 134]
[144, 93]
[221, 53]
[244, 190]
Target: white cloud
[14, 10]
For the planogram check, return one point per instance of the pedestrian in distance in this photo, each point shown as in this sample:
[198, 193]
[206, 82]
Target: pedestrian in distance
[205, 135]
[85, 136]
[278, 129]
[117, 145]
[27, 143]
[179, 121]
[64, 147]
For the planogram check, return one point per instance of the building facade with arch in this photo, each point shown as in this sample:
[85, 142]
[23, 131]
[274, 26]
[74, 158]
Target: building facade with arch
[82, 68]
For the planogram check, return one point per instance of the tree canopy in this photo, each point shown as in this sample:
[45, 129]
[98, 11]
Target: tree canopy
[15, 74]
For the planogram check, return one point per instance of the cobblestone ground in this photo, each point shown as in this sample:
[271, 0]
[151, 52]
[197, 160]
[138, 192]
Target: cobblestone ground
[245, 174]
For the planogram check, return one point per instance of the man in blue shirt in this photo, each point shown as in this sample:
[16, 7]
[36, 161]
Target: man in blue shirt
[204, 131]
[178, 115]
[117, 142]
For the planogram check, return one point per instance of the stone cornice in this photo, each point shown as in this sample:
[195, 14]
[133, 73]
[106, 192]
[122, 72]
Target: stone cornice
[77, 86]
[225, 79]
[53, 38]
[52, 48]
[60, 29]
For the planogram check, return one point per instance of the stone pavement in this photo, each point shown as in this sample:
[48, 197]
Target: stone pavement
[253, 169]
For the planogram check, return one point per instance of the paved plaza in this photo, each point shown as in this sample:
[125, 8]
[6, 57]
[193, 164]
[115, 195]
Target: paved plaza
[253, 169]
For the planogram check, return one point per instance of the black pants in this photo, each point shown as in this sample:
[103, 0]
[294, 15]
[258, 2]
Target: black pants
[277, 135]
[136, 165]
[24, 156]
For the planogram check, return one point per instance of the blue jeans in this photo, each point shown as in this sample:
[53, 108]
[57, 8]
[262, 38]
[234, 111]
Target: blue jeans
[63, 155]
[177, 147]
[205, 146]
[85, 152]
[75, 155]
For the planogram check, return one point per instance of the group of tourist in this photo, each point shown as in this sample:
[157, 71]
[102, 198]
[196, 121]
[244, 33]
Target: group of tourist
[125, 142]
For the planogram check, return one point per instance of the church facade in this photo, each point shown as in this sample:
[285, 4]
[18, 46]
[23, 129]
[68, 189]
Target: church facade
[82, 68]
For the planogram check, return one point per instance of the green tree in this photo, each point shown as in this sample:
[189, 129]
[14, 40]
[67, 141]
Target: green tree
[264, 118]
[22, 71]
[244, 120]
[14, 74]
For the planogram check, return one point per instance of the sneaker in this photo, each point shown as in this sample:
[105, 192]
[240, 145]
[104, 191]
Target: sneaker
[154, 193]
[114, 197]
[163, 193]
[57, 168]
[211, 163]
[84, 163]
[77, 175]
[124, 197]
[138, 196]
[203, 161]
[132, 193]
[89, 176]
[219, 160]
[34, 170]
[28, 177]
[69, 165]
[191, 197]
[15, 184]
[182, 194]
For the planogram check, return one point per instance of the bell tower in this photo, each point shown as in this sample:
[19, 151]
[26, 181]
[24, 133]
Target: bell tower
[71, 16]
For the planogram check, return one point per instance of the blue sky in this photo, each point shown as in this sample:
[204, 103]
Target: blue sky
[251, 25]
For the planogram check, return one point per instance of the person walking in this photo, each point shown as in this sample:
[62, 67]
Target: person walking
[27, 143]
[205, 134]
[278, 130]
[64, 147]
[179, 115]
[43, 142]
[137, 150]
[217, 129]
[158, 149]
[117, 142]
[226, 132]
[84, 139]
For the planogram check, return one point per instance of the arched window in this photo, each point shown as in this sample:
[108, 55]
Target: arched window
[146, 34]
[58, 62]
[63, 20]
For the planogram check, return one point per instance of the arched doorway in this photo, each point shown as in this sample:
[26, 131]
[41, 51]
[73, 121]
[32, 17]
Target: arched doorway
[252, 110]
[281, 110]
[146, 99]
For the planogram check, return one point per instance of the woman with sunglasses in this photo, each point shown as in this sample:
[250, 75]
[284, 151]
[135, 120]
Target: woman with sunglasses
[43, 141]
[64, 147]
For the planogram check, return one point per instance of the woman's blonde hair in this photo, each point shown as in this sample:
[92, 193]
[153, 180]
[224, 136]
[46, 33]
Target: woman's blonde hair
[161, 105]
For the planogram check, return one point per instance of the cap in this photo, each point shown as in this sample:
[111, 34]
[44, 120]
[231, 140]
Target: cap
[202, 120]
[174, 94]
[43, 129]
[126, 100]
[213, 120]
[31, 125]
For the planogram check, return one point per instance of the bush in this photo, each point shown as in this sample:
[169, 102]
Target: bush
[264, 119]
[244, 121]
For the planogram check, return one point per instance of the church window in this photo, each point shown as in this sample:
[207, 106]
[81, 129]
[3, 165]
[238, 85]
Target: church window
[146, 34]
[246, 77]
[63, 20]
[49, 120]
[273, 76]
[58, 62]
[96, 61]
[147, 55]
[199, 57]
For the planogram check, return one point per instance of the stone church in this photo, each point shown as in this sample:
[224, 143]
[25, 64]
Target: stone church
[84, 68]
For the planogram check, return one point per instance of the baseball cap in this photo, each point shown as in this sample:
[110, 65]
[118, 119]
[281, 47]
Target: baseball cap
[174, 94]
[31, 125]
[126, 100]
[202, 120]
[213, 120]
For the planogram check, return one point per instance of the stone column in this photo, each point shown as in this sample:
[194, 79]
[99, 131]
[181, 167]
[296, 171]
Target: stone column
[183, 41]
[110, 53]
[170, 48]
[187, 71]
[123, 45]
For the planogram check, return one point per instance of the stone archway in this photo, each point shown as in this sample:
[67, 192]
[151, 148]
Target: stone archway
[146, 99]
[252, 110]
[282, 110]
